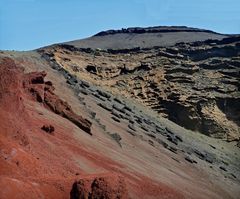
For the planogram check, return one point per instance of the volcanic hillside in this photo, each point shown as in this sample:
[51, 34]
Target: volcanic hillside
[132, 113]
[196, 84]
[145, 37]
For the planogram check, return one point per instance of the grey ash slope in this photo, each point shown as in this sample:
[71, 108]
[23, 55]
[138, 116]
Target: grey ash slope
[145, 37]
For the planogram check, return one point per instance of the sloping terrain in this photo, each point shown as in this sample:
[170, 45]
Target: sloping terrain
[87, 123]
[145, 37]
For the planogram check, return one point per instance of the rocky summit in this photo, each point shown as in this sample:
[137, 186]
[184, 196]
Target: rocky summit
[132, 113]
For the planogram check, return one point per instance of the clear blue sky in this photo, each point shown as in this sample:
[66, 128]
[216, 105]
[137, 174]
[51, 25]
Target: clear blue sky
[29, 24]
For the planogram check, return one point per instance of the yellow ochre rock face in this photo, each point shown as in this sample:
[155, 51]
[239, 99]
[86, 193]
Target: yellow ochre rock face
[181, 82]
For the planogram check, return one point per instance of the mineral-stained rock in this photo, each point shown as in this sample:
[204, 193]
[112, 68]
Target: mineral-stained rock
[33, 85]
[62, 108]
[16, 88]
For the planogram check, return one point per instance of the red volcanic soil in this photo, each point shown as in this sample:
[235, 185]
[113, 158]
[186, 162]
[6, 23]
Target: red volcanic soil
[38, 148]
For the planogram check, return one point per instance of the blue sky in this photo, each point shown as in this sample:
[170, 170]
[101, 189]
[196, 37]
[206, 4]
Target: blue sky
[30, 24]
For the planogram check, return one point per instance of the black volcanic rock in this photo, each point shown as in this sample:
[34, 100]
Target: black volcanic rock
[155, 29]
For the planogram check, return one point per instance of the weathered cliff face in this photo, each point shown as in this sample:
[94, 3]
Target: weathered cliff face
[195, 84]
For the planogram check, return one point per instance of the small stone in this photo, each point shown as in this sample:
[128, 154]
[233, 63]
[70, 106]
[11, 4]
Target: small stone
[144, 128]
[212, 146]
[115, 119]
[118, 100]
[104, 94]
[178, 137]
[172, 149]
[151, 135]
[172, 139]
[131, 132]
[151, 142]
[199, 154]
[132, 127]
[105, 106]
[48, 128]
[83, 91]
[189, 159]
[233, 175]
[116, 114]
[222, 168]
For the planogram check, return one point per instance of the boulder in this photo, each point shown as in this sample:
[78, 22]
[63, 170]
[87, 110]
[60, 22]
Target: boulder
[132, 127]
[48, 129]
[105, 106]
[103, 187]
[189, 159]
[115, 119]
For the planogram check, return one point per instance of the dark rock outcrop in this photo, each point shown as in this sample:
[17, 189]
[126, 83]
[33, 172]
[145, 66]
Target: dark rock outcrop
[156, 29]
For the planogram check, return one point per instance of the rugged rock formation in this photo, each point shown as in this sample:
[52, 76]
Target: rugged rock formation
[195, 84]
[33, 85]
